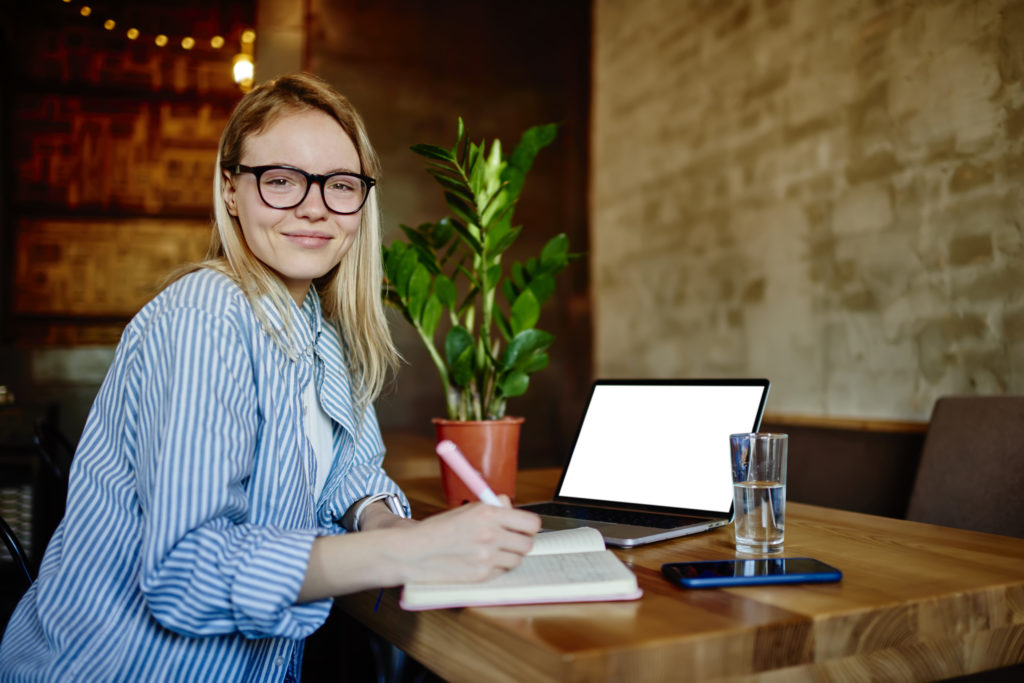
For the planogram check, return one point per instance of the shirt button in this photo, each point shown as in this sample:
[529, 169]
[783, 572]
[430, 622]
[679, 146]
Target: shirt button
[279, 661]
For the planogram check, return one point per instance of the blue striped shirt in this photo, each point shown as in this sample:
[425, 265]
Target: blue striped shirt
[190, 512]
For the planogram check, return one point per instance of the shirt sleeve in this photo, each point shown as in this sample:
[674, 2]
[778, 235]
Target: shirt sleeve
[366, 475]
[206, 569]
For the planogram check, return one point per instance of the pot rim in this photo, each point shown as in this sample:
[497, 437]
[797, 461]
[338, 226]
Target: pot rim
[508, 419]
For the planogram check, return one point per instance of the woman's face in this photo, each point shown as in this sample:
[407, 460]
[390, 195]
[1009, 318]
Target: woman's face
[306, 241]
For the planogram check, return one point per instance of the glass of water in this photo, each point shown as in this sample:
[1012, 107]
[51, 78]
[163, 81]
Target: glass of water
[759, 491]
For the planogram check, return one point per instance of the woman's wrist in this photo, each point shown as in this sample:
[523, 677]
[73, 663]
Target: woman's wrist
[353, 517]
[377, 515]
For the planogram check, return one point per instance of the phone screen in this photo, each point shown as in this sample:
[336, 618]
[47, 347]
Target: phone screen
[749, 572]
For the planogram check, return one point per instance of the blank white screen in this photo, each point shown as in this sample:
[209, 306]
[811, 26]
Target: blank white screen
[660, 444]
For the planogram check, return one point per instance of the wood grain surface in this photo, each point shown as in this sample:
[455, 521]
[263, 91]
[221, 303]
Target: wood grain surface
[917, 602]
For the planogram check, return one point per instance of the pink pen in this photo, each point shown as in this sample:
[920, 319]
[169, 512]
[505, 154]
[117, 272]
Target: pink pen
[454, 458]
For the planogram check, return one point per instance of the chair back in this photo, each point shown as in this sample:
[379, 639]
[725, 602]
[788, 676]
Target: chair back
[17, 552]
[54, 448]
[971, 474]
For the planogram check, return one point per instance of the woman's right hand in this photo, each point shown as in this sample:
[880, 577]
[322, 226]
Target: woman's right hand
[474, 542]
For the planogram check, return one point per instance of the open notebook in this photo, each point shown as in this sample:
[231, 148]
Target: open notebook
[564, 566]
[651, 458]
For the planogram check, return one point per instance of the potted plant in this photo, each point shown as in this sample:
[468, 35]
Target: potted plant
[451, 271]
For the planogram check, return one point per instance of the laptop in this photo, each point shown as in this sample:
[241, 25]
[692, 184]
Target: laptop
[651, 458]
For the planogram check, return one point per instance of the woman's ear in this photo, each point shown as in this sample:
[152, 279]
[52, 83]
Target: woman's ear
[228, 192]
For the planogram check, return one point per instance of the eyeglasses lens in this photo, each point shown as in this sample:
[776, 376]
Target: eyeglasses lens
[284, 188]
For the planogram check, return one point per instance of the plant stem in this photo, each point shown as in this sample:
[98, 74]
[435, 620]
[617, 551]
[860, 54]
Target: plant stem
[442, 371]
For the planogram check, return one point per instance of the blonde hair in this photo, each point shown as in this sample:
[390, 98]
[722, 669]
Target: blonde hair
[350, 293]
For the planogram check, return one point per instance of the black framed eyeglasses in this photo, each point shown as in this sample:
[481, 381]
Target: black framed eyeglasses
[285, 187]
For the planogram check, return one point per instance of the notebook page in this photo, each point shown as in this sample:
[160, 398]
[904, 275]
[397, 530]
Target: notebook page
[579, 540]
[565, 577]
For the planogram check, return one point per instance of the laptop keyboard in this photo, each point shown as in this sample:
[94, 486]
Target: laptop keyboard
[593, 514]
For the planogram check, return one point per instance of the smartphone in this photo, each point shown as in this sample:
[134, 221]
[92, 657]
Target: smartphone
[753, 572]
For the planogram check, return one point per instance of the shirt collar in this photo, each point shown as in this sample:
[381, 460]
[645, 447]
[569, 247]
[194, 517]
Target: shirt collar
[306, 327]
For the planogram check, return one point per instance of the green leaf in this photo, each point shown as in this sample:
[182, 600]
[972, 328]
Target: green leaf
[542, 286]
[419, 290]
[433, 152]
[531, 267]
[491, 180]
[442, 232]
[454, 185]
[514, 383]
[445, 290]
[518, 276]
[463, 210]
[405, 269]
[535, 362]
[458, 351]
[502, 322]
[555, 254]
[391, 258]
[416, 237]
[425, 254]
[509, 290]
[523, 344]
[533, 140]
[494, 207]
[525, 312]
[477, 170]
[501, 238]
[468, 237]
[493, 275]
[431, 315]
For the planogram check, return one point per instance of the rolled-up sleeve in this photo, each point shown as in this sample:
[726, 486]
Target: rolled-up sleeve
[367, 475]
[207, 569]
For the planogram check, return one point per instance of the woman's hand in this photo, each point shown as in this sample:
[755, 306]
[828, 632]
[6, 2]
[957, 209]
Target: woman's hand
[473, 542]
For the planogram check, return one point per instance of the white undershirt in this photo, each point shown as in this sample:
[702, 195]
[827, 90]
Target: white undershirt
[319, 433]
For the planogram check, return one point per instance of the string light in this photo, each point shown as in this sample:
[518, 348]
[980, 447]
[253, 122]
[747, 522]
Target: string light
[242, 67]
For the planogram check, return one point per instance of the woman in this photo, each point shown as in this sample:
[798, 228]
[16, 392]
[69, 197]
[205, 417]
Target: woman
[234, 444]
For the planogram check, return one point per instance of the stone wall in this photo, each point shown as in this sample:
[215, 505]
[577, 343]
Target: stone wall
[824, 193]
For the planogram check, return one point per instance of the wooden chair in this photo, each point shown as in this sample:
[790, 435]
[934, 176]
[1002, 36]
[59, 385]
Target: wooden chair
[971, 474]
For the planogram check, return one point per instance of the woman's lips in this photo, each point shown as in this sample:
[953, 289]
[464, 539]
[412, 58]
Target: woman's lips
[308, 240]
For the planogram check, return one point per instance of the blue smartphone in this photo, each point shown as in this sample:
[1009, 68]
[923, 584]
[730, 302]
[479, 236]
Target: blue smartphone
[753, 572]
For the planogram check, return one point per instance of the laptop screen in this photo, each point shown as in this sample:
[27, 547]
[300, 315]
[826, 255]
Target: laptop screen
[662, 442]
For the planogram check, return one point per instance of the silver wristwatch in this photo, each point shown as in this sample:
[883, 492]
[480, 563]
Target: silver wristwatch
[392, 500]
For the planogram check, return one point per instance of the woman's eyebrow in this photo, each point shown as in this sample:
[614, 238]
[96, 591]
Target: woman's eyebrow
[340, 169]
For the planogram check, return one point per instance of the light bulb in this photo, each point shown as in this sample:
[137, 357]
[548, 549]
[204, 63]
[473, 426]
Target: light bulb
[243, 69]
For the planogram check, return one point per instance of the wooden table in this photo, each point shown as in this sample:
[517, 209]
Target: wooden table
[917, 602]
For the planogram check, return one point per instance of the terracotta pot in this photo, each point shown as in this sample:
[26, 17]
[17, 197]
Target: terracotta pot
[491, 446]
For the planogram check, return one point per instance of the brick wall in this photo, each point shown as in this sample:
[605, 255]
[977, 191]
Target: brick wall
[824, 193]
